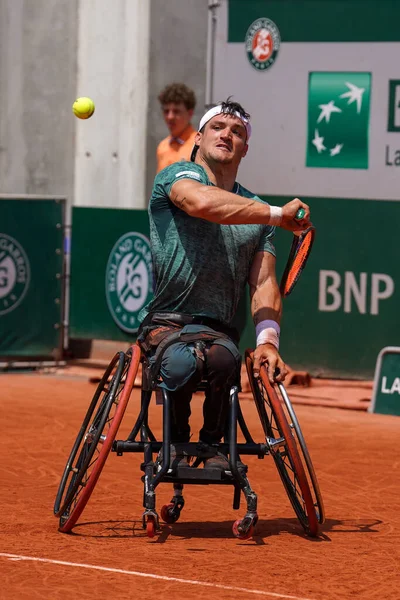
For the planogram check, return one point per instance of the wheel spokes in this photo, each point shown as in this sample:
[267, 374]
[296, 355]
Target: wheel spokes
[93, 438]
[278, 446]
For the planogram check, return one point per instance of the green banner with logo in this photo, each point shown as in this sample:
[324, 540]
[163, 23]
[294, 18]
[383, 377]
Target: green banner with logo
[343, 310]
[338, 119]
[111, 272]
[31, 277]
[386, 391]
[318, 20]
[319, 79]
[345, 307]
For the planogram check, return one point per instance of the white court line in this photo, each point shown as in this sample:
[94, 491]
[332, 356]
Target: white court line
[219, 586]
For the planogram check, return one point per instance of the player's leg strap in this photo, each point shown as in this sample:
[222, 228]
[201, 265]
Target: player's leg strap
[157, 335]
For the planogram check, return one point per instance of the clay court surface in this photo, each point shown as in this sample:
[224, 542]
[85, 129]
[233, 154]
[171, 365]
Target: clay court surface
[108, 555]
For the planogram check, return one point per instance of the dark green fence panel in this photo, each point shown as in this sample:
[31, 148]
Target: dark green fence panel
[31, 277]
[342, 312]
[345, 307]
[111, 277]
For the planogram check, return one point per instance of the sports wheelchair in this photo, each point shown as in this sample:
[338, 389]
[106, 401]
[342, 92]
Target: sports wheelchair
[283, 440]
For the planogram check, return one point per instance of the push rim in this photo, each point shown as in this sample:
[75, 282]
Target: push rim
[95, 440]
[285, 453]
[305, 455]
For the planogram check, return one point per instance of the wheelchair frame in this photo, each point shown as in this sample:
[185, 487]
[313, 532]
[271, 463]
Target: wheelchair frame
[96, 438]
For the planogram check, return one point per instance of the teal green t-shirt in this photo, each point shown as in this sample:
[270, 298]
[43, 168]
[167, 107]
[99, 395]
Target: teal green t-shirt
[200, 268]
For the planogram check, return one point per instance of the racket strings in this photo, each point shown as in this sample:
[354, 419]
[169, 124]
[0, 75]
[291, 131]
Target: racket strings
[299, 261]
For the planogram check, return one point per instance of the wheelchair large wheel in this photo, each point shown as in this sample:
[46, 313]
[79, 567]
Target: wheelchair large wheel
[95, 437]
[283, 448]
[304, 454]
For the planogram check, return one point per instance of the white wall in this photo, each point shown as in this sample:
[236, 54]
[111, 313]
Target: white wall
[177, 53]
[110, 156]
[37, 86]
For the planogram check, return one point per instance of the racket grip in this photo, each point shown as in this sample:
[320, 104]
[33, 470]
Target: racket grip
[300, 214]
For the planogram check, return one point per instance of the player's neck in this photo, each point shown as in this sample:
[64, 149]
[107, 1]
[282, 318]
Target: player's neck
[223, 176]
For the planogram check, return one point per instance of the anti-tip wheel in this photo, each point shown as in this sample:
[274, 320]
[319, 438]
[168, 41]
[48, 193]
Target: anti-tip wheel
[170, 513]
[239, 533]
[151, 526]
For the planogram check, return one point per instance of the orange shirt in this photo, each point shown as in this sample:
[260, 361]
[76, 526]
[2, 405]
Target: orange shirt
[172, 150]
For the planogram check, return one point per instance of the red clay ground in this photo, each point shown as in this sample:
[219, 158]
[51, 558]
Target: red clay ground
[357, 462]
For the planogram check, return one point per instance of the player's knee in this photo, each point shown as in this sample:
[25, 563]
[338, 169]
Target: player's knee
[221, 361]
[177, 366]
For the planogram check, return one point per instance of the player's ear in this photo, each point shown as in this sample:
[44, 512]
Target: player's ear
[246, 147]
[197, 139]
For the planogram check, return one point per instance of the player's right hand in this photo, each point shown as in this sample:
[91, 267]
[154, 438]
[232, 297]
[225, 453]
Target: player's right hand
[268, 355]
[289, 212]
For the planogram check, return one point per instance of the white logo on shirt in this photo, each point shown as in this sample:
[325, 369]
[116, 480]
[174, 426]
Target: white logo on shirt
[192, 174]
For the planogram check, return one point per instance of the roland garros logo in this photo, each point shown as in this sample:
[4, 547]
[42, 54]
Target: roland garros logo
[14, 273]
[129, 279]
[262, 43]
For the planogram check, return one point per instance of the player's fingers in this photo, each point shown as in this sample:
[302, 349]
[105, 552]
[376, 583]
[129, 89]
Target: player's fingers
[298, 227]
[256, 366]
[307, 213]
[271, 368]
[302, 205]
[281, 370]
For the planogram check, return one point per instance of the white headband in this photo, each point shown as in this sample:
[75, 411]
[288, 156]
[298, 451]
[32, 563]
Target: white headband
[217, 110]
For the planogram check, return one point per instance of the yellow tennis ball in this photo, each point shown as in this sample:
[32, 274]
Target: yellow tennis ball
[83, 108]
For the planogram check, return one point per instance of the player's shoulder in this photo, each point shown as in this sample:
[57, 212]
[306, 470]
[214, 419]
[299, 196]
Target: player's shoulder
[183, 169]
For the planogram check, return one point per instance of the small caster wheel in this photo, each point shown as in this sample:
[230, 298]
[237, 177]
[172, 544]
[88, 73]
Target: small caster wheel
[170, 513]
[151, 526]
[240, 533]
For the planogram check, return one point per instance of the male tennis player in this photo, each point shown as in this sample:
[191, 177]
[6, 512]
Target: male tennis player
[209, 237]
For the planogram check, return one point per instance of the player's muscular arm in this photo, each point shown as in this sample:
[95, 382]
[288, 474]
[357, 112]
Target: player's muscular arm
[266, 302]
[217, 205]
[266, 305]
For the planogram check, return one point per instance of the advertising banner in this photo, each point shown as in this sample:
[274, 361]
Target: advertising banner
[111, 272]
[322, 84]
[31, 277]
[386, 390]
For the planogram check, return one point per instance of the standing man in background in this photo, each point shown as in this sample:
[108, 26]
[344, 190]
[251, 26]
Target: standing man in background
[177, 103]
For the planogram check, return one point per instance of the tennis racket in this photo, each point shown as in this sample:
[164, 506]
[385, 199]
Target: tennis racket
[298, 256]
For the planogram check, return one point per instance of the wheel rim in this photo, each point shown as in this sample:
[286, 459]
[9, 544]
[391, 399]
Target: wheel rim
[60, 501]
[288, 461]
[303, 450]
[95, 438]
[89, 448]
[285, 454]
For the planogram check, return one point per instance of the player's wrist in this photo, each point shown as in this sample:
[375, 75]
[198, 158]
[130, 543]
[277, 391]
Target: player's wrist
[268, 332]
[275, 217]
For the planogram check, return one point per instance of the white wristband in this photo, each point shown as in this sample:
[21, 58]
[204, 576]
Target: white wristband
[268, 332]
[275, 215]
